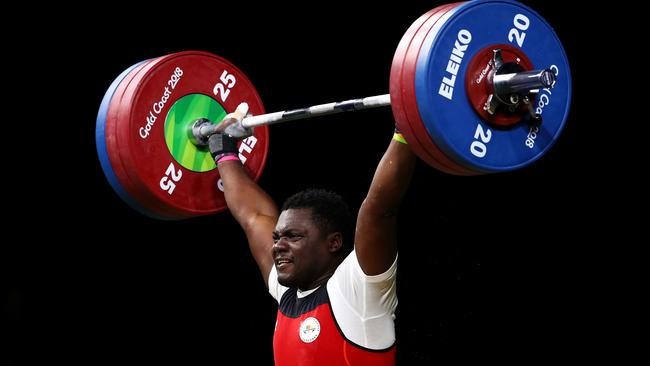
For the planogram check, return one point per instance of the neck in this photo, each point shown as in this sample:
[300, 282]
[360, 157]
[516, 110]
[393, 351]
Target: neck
[321, 280]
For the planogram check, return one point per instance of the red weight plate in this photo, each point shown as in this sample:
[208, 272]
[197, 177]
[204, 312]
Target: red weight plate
[113, 148]
[174, 91]
[397, 103]
[409, 97]
[421, 146]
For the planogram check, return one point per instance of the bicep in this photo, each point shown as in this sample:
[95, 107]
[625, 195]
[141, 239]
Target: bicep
[375, 239]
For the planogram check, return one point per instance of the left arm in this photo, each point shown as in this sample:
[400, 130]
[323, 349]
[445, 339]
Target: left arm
[376, 239]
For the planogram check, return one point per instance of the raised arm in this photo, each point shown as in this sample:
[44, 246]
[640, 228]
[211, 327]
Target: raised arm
[253, 209]
[375, 239]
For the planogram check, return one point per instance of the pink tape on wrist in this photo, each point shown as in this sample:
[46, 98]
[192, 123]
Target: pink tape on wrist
[227, 158]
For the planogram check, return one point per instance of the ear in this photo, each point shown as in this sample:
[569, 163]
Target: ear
[334, 242]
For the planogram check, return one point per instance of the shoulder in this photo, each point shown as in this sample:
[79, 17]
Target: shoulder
[350, 267]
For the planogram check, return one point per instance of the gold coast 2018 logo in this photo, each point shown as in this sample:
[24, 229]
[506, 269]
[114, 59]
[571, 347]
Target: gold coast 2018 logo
[309, 330]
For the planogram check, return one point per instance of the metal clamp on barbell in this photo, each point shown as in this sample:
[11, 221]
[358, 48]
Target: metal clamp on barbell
[512, 85]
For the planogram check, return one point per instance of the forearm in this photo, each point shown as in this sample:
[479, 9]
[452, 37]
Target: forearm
[245, 199]
[391, 180]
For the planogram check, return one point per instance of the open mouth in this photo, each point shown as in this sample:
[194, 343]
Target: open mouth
[282, 263]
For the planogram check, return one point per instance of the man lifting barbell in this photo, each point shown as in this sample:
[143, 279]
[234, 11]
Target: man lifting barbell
[468, 94]
[336, 300]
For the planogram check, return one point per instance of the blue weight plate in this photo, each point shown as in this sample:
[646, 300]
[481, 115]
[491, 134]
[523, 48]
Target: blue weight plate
[448, 116]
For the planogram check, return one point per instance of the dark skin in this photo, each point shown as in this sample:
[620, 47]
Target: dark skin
[300, 248]
[304, 256]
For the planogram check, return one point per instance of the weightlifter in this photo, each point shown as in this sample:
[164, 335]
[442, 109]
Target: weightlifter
[335, 288]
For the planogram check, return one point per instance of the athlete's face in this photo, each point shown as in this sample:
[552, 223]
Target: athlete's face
[301, 252]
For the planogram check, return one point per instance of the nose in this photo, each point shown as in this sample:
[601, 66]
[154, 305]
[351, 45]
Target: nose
[280, 245]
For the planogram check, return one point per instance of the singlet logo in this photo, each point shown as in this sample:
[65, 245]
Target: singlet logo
[309, 329]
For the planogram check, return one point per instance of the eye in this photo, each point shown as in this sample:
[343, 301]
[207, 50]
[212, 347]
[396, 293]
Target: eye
[289, 236]
[294, 237]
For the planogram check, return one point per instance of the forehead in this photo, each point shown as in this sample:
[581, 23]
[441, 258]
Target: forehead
[294, 218]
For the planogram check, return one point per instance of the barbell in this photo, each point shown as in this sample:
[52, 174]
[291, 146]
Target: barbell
[476, 87]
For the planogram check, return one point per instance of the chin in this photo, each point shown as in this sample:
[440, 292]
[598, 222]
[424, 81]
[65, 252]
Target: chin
[286, 282]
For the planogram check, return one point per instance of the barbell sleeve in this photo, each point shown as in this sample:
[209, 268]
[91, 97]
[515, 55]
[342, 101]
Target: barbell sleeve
[522, 83]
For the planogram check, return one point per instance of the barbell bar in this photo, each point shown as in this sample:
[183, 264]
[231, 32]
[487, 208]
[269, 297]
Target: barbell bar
[510, 88]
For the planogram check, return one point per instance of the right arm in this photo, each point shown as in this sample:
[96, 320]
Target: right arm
[253, 209]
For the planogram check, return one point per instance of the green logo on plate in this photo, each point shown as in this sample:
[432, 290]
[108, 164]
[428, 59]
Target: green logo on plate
[181, 115]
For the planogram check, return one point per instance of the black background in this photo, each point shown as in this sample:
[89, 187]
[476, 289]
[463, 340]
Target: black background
[492, 268]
